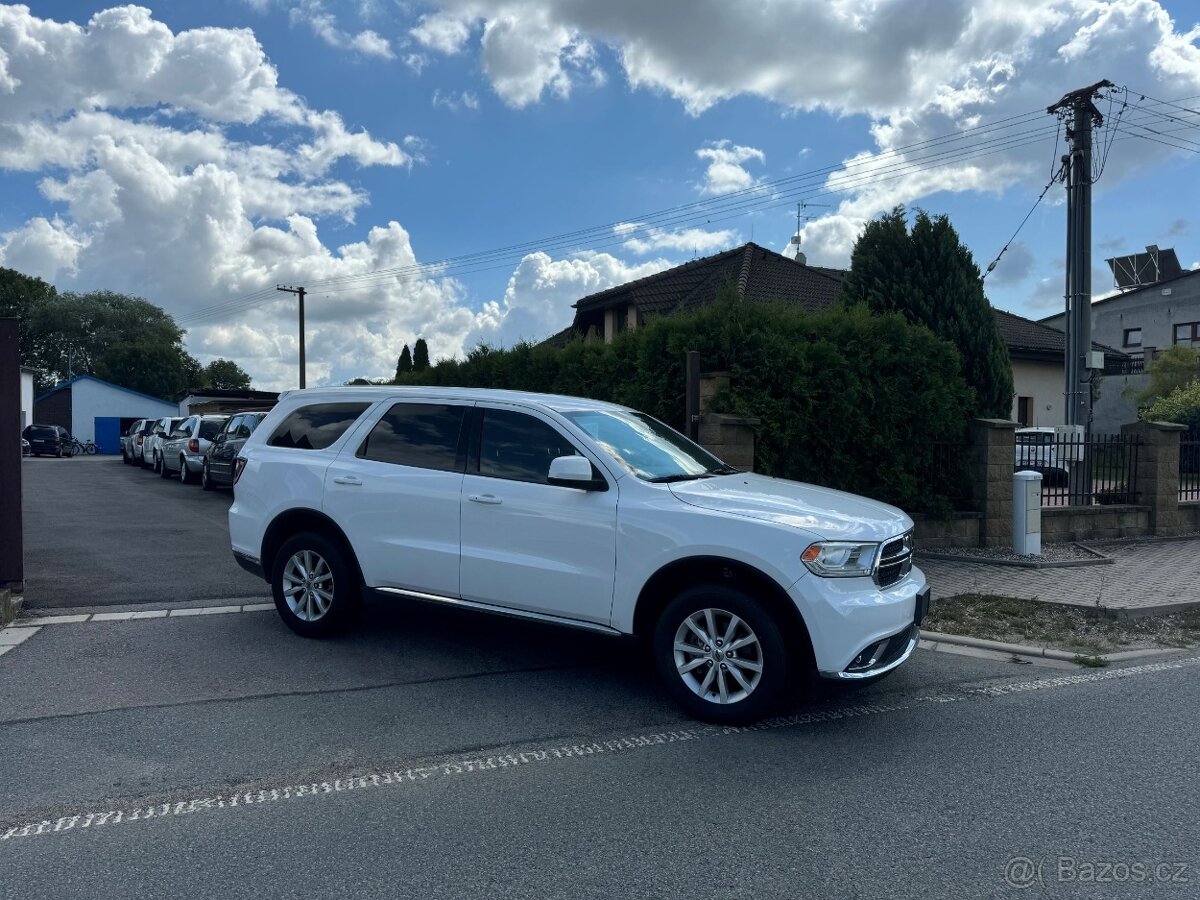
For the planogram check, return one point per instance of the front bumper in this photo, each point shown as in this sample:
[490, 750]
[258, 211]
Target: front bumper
[850, 617]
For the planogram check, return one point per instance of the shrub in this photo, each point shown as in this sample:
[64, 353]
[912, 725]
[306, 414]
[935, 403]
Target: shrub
[1181, 405]
[847, 399]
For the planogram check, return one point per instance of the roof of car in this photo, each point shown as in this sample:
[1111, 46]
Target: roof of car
[556, 402]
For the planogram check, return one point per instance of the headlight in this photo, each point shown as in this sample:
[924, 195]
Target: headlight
[840, 559]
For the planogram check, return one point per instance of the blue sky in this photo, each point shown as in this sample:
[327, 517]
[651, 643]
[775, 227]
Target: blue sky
[198, 153]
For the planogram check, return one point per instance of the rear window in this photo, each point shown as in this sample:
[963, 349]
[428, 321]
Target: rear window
[42, 431]
[250, 423]
[316, 427]
[424, 435]
[210, 428]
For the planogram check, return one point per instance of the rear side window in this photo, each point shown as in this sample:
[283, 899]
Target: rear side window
[424, 435]
[42, 431]
[316, 427]
[519, 447]
[210, 428]
[246, 428]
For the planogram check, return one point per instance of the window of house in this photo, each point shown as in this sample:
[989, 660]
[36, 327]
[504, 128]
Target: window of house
[316, 427]
[1187, 332]
[423, 435]
[1133, 337]
[1025, 410]
[519, 447]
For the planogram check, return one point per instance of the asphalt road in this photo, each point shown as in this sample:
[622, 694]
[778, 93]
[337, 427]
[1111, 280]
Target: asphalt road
[431, 753]
[98, 533]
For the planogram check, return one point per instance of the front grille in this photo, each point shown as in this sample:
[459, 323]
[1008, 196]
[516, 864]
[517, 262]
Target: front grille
[895, 560]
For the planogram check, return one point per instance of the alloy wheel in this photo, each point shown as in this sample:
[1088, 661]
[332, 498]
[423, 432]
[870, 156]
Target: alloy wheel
[308, 585]
[718, 656]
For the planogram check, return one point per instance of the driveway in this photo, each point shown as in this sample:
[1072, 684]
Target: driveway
[99, 533]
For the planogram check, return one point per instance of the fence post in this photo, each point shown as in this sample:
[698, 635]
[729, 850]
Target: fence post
[993, 458]
[1157, 481]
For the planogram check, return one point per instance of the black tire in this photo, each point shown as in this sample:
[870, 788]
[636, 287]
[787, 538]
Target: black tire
[205, 479]
[346, 592]
[58, 454]
[185, 475]
[771, 653]
[163, 471]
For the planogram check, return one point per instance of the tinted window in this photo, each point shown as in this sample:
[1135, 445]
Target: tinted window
[210, 428]
[249, 424]
[41, 431]
[424, 435]
[519, 447]
[316, 427]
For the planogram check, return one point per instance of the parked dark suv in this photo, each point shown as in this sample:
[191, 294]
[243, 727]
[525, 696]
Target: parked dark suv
[217, 470]
[48, 440]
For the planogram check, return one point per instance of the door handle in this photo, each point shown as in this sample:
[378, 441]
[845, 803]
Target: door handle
[348, 479]
[490, 499]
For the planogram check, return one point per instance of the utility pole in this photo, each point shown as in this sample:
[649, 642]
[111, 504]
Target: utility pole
[1079, 107]
[299, 292]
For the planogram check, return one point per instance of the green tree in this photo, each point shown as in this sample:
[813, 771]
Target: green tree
[20, 296]
[404, 364]
[224, 374]
[420, 356]
[1181, 405]
[1175, 367]
[928, 276]
[161, 370]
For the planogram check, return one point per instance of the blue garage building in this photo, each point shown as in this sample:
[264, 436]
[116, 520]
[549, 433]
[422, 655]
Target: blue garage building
[91, 408]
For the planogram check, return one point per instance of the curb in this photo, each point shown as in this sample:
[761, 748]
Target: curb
[1100, 560]
[958, 640]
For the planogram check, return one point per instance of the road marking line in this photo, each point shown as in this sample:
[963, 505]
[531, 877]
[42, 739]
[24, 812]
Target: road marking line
[150, 614]
[62, 620]
[466, 765]
[112, 617]
[205, 611]
[16, 634]
[258, 607]
[4, 648]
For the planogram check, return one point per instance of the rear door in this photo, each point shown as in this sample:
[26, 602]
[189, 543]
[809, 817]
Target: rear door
[224, 451]
[394, 489]
[527, 544]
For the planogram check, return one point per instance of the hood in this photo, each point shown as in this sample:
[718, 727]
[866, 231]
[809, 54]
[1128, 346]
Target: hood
[829, 514]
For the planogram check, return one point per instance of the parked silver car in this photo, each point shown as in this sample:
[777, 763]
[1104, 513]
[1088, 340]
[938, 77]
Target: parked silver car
[137, 442]
[153, 441]
[184, 448]
[129, 442]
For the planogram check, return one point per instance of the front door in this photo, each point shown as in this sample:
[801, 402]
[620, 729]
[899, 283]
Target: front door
[527, 544]
[395, 492]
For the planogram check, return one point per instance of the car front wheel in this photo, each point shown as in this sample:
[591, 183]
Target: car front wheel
[185, 474]
[721, 655]
[315, 585]
[163, 471]
[205, 479]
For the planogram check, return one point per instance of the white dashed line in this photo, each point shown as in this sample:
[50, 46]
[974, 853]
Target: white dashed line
[474, 765]
[129, 615]
[205, 611]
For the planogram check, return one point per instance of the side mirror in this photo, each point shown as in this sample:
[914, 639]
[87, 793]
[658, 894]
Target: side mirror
[574, 472]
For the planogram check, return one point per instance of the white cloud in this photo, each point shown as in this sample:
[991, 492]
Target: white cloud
[686, 240]
[726, 171]
[454, 101]
[324, 25]
[443, 32]
[537, 301]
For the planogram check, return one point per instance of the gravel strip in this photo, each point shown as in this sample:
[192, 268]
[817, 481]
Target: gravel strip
[1050, 553]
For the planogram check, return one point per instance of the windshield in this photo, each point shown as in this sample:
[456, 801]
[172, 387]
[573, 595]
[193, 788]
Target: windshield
[646, 447]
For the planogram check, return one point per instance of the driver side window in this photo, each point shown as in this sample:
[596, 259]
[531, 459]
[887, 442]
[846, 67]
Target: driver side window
[519, 447]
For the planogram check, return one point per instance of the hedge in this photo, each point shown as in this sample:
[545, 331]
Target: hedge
[847, 399]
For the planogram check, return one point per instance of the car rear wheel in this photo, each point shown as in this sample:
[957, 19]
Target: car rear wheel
[185, 475]
[721, 655]
[163, 471]
[315, 585]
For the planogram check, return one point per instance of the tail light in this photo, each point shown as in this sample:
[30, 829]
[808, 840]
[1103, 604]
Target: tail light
[193, 446]
[238, 466]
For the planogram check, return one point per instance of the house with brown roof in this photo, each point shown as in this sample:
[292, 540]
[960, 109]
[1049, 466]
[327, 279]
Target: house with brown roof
[762, 275]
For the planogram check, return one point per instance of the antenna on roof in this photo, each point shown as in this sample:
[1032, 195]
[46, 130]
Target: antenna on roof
[800, 219]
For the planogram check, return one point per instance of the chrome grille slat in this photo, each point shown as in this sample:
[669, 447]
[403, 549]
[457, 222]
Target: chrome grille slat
[895, 560]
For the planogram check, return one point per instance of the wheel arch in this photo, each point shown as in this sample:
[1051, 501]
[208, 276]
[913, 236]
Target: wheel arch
[295, 521]
[679, 575]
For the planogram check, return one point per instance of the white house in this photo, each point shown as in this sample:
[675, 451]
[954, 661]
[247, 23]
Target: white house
[91, 408]
[27, 376]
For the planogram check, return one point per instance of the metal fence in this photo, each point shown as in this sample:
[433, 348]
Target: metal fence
[1081, 470]
[1189, 470]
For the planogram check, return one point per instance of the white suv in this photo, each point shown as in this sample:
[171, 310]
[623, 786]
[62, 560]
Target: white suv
[579, 513]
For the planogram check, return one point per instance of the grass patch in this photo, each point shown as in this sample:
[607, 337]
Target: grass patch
[1083, 631]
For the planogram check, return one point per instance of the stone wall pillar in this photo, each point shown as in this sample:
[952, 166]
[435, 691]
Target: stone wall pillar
[711, 383]
[1157, 481]
[729, 438]
[993, 459]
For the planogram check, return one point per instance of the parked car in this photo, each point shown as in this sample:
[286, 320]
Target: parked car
[217, 470]
[138, 442]
[48, 440]
[577, 513]
[127, 441]
[26, 448]
[153, 441]
[184, 448]
[1041, 449]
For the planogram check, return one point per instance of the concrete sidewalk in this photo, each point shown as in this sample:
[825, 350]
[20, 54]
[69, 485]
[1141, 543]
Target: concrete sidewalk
[1153, 576]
